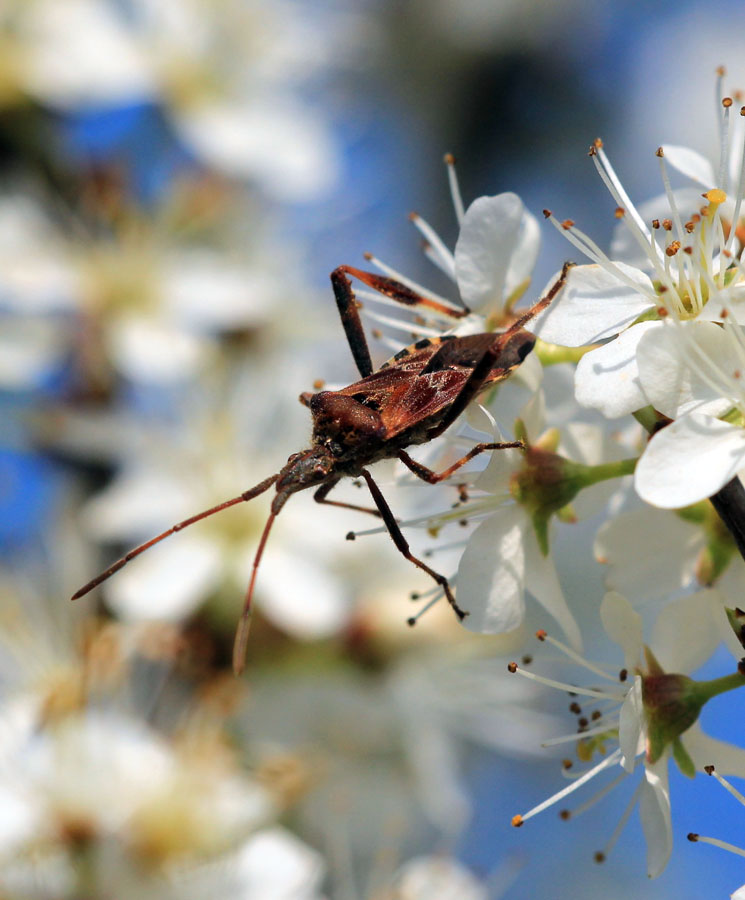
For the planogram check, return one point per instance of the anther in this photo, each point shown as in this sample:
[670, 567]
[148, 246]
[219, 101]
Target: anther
[688, 250]
[512, 667]
[742, 110]
[318, 384]
[575, 708]
[721, 71]
[599, 857]
[667, 224]
[566, 764]
[672, 248]
[692, 837]
[659, 152]
[726, 102]
[350, 536]
[565, 815]
[377, 334]
[547, 213]
[413, 216]
[709, 770]
[623, 674]
[517, 821]
[655, 223]
[414, 595]
[449, 159]
[597, 715]
[541, 634]
[689, 226]
[619, 212]
[583, 722]
[368, 256]
[567, 224]
[526, 660]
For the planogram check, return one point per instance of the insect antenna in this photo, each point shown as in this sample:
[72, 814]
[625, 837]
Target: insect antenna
[541, 304]
[120, 563]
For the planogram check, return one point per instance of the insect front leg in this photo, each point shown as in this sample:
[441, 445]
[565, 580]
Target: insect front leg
[433, 477]
[401, 543]
[325, 489]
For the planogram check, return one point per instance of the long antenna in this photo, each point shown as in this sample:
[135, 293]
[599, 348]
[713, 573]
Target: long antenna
[541, 304]
[246, 495]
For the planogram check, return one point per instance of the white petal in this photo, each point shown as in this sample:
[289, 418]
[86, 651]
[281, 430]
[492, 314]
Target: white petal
[739, 894]
[608, 378]
[728, 759]
[689, 461]
[496, 248]
[670, 383]
[593, 305]
[147, 350]
[496, 476]
[277, 142]
[543, 583]
[654, 809]
[79, 52]
[650, 553]
[436, 878]
[166, 583]
[275, 865]
[686, 632]
[491, 574]
[690, 163]
[203, 290]
[631, 726]
[300, 596]
[623, 625]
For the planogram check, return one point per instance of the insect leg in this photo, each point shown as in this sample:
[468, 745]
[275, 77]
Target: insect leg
[433, 477]
[350, 319]
[400, 292]
[400, 541]
[325, 489]
[483, 367]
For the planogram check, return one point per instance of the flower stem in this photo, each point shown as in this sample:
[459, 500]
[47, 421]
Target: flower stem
[606, 471]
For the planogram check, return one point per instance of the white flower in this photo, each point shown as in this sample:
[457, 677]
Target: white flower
[436, 878]
[628, 712]
[688, 251]
[653, 554]
[695, 372]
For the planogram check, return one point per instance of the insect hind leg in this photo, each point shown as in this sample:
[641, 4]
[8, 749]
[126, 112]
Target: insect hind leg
[432, 477]
[402, 545]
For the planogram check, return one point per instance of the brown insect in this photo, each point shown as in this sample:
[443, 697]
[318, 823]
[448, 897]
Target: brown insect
[410, 399]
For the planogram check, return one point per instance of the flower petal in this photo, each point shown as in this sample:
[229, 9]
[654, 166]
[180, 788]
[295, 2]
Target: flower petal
[631, 726]
[687, 632]
[543, 583]
[593, 305]
[670, 383]
[496, 249]
[689, 461]
[491, 574]
[690, 163]
[650, 553]
[729, 759]
[608, 378]
[168, 583]
[623, 625]
[654, 809]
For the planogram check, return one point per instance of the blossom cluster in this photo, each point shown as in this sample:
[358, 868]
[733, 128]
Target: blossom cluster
[156, 333]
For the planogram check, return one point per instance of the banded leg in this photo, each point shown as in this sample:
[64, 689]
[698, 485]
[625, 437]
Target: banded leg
[325, 489]
[349, 312]
[483, 367]
[432, 477]
[402, 545]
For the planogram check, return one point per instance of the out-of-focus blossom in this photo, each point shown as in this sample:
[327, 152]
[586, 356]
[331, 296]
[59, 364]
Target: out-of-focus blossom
[229, 76]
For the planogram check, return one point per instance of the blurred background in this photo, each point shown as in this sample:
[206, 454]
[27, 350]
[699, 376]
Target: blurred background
[177, 180]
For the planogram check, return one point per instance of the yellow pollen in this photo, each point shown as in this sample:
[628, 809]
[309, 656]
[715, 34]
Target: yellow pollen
[715, 196]
[517, 821]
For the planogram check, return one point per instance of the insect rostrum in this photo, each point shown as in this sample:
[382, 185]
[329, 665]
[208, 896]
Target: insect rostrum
[410, 399]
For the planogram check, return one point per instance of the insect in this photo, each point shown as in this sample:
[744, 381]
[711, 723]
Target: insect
[411, 399]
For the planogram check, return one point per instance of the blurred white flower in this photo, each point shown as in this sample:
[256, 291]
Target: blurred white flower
[228, 75]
